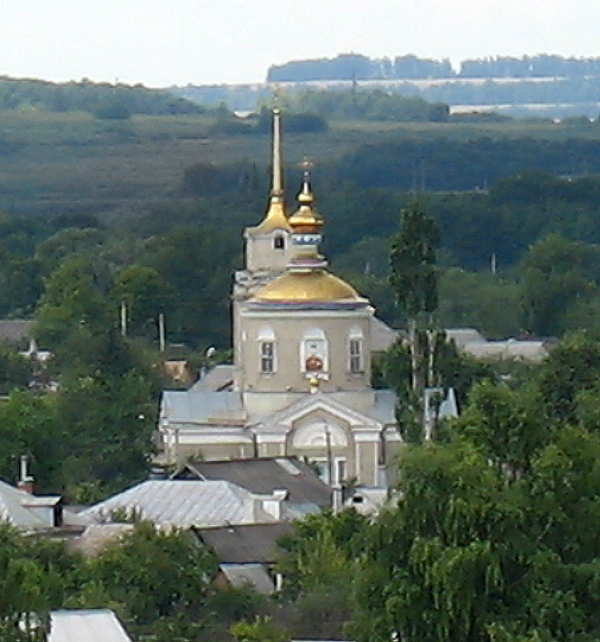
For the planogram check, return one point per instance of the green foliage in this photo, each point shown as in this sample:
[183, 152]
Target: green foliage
[34, 578]
[103, 99]
[261, 629]
[413, 272]
[559, 277]
[146, 294]
[482, 300]
[152, 574]
[572, 368]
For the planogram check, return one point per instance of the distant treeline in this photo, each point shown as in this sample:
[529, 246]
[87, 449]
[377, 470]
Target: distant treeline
[358, 67]
[105, 100]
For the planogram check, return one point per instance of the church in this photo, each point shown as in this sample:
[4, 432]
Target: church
[300, 382]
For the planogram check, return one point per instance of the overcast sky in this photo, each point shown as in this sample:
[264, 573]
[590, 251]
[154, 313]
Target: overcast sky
[165, 42]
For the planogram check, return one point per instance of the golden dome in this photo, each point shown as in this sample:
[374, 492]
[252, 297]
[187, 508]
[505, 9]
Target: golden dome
[307, 287]
[305, 218]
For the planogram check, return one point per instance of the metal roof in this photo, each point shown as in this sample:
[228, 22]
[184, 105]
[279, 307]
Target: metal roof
[201, 406]
[254, 575]
[184, 503]
[248, 544]
[97, 625]
[17, 507]
[264, 475]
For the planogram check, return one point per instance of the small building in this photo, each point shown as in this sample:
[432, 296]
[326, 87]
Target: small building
[93, 625]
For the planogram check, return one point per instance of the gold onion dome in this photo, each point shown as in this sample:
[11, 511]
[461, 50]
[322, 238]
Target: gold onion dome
[305, 218]
[307, 287]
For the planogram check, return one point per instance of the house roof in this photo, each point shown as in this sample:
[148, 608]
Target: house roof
[184, 503]
[97, 625]
[382, 335]
[201, 406]
[254, 575]
[534, 350]
[218, 378]
[248, 544]
[264, 475]
[17, 507]
[15, 330]
[96, 536]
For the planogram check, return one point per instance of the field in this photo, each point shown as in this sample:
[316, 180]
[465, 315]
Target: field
[55, 162]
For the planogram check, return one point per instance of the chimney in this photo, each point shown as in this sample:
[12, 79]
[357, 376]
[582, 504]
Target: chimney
[25, 482]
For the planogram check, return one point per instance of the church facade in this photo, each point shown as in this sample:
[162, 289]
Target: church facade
[300, 381]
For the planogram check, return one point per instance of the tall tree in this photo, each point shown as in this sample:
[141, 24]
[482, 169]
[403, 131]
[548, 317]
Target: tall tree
[414, 277]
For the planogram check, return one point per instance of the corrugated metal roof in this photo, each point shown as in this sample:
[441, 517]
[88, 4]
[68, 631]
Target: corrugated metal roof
[97, 625]
[184, 503]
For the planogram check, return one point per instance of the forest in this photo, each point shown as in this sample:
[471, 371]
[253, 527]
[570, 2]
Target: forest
[493, 532]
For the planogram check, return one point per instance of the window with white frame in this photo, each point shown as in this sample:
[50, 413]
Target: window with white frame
[266, 339]
[355, 351]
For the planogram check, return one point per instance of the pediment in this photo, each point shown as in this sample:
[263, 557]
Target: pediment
[318, 404]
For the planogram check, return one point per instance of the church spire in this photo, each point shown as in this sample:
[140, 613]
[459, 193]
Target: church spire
[277, 185]
[275, 216]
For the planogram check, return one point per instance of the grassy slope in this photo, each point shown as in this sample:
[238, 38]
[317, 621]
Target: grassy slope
[52, 162]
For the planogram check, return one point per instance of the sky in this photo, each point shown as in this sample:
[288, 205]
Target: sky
[160, 43]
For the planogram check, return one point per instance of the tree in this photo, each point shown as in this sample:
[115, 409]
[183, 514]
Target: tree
[152, 574]
[145, 294]
[414, 277]
[559, 275]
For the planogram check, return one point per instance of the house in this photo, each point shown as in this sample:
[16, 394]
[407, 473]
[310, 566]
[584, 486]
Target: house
[246, 553]
[304, 491]
[37, 513]
[185, 503]
[95, 625]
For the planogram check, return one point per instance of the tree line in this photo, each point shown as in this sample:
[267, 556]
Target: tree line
[105, 100]
[358, 67]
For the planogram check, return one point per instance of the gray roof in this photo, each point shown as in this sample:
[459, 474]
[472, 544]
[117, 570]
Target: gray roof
[97, 625]
[264, 475]
[255, 543]
[184, 503]
[382, 336]
[18, 508]
[254, 575]
[201, 406]
[462, 336]
[15, 331]
[218, 378]
[534, 350]
[96, 536]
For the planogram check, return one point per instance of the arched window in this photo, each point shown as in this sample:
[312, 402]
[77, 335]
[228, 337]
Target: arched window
[314, 357]
[279, 242]
[355, 351]
[267, 353]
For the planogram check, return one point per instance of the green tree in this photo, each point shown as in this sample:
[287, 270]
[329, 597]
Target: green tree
[558, 276]
[414, 277]
[153, 574]
[145, 294]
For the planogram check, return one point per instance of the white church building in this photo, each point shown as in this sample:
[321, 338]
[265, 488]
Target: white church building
[300, 381]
